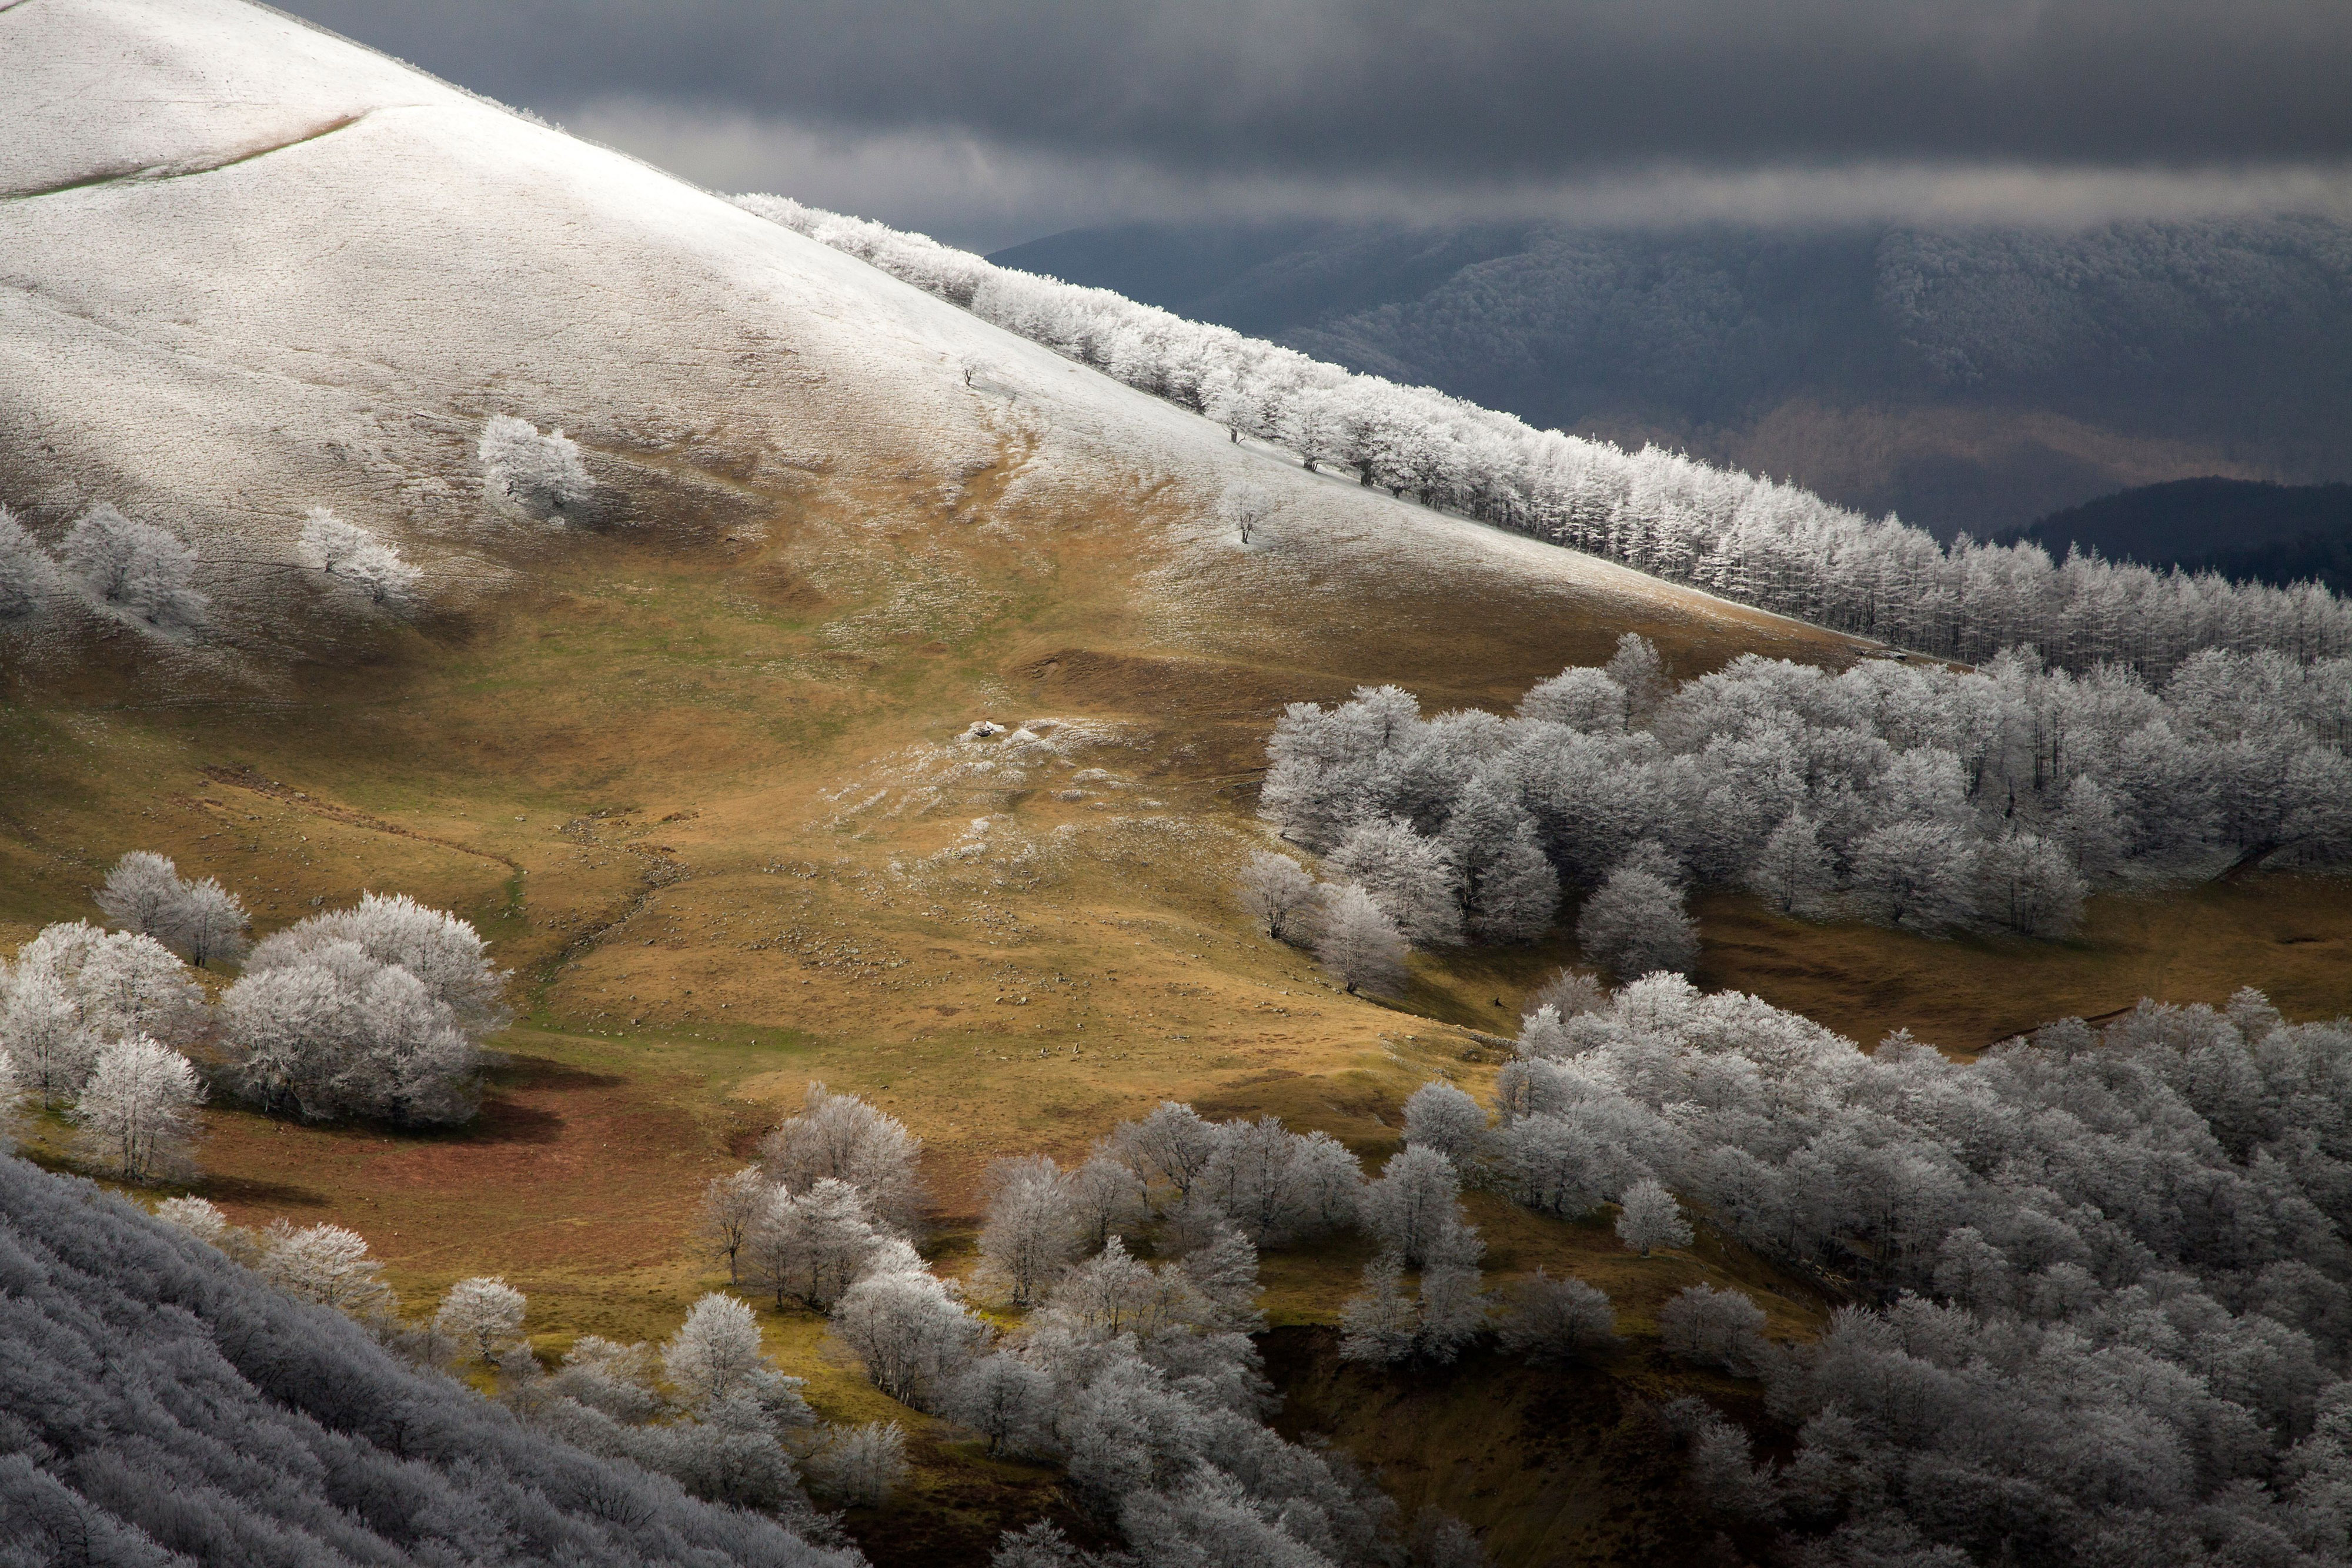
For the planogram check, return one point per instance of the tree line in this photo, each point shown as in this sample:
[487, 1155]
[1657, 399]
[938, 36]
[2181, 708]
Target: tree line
[1924, 796]
[1752, 539]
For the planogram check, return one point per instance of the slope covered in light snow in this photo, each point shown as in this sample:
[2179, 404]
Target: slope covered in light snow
[246, 268]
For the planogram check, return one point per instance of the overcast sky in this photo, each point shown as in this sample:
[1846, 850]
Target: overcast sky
[990, 122]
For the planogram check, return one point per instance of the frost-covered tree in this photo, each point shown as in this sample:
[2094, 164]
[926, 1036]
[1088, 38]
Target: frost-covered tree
[1793, 873]
[211, 924]
[1170, 1149]
[1714, 1328]
[137, 1113]
[1441, 1117]
[134, 569]
[443, 951]
[1639, 674]
[1278, 895]
[142, 893]
[913, 1338]
[1584, 699]
[714, 1355]
[2029, 884]
[145, 894]
[1412, 878]
[1031, 1233]
[1649, 1217]
[482, 1318]
[1556, 1320]
[731, 1207]
[541, 474]
[356, 557]
[1510, 891]
[325, 1028]
[1359, 944]
[327, 1264]
[1380, 1323]
[1006, 1401]
[842, 1137]
[75, 988]
[1915, 874]
[811, 1246]
[1454, 1310]
[12, 1101]
[1104, 1194]
[860, 1467]
[1635, 924]
[1414, 1210]
[28, 576]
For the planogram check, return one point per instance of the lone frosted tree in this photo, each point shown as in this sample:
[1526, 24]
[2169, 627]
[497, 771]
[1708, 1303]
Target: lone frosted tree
[1277, 893]
[541, 474]
[1650, 1217]
[482, 1317]
[136, 569]
[1246, 507]
[355, 558]
[1635, 924]
[138, 1111]
[1359, 944]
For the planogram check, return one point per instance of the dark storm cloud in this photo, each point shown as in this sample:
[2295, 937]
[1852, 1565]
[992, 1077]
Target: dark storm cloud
[1483, 87]
[990, 120]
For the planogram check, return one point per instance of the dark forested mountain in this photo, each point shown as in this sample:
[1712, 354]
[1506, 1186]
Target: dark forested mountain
[1966, 380]
[2246, 530]
[159, 1405]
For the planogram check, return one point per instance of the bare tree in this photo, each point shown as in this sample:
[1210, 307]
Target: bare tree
[732, 1206]
[1359, 943]
[1277, 892]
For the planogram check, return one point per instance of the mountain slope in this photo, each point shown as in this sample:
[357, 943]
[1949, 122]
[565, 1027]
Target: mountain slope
[1967, 379]
[167, 1407]
[2244, 530]
[344, 268]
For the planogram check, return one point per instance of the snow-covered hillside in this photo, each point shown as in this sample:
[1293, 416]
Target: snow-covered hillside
[250, 269]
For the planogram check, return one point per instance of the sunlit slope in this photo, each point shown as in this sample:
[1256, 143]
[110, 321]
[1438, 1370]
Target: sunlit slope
[252, 268]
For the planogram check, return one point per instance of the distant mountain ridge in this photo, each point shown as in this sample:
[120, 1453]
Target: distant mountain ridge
[1968, 381]
[2248, 530]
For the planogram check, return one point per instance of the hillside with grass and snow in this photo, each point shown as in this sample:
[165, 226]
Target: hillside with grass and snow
[887, 876]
